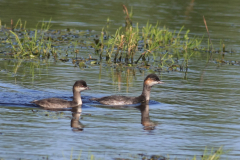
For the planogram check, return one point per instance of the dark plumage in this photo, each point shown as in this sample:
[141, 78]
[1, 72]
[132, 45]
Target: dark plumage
[55, 103]
[149, 81]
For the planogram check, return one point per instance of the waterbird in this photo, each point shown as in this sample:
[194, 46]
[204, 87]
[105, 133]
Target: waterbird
[149, 81]
[55, 103]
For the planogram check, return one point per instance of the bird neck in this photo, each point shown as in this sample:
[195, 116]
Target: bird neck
[146, 92]
[77, 97]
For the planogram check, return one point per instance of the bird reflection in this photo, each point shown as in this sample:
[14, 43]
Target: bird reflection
[145, 119]
[76, 114]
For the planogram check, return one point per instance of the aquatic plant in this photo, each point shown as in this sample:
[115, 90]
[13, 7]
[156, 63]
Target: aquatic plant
[214, 155]
[50, 114]
[150, 46]
[131, 44]
[30, 43]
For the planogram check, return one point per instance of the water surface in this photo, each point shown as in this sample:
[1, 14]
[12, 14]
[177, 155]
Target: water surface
[196, 109]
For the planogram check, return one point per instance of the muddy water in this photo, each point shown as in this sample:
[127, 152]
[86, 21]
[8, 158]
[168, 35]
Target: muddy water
[192, 110]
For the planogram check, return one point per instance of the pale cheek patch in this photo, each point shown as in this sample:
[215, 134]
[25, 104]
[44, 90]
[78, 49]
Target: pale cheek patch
[148, 81]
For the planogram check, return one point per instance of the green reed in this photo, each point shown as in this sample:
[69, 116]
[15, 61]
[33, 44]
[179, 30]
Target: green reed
[131, 45]
[125, 44]
[213, 155]
[30, 43]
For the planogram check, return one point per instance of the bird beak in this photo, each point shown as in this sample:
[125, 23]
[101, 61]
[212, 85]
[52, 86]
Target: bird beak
[87, 88]
[160, 82]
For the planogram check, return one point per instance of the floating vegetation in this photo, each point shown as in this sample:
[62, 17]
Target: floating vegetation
[213, 155]
[146, 47]
[150, 44]
[50, 114]
[30, 43]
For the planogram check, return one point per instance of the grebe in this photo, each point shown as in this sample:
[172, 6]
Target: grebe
[54, 103]
[149, 81]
